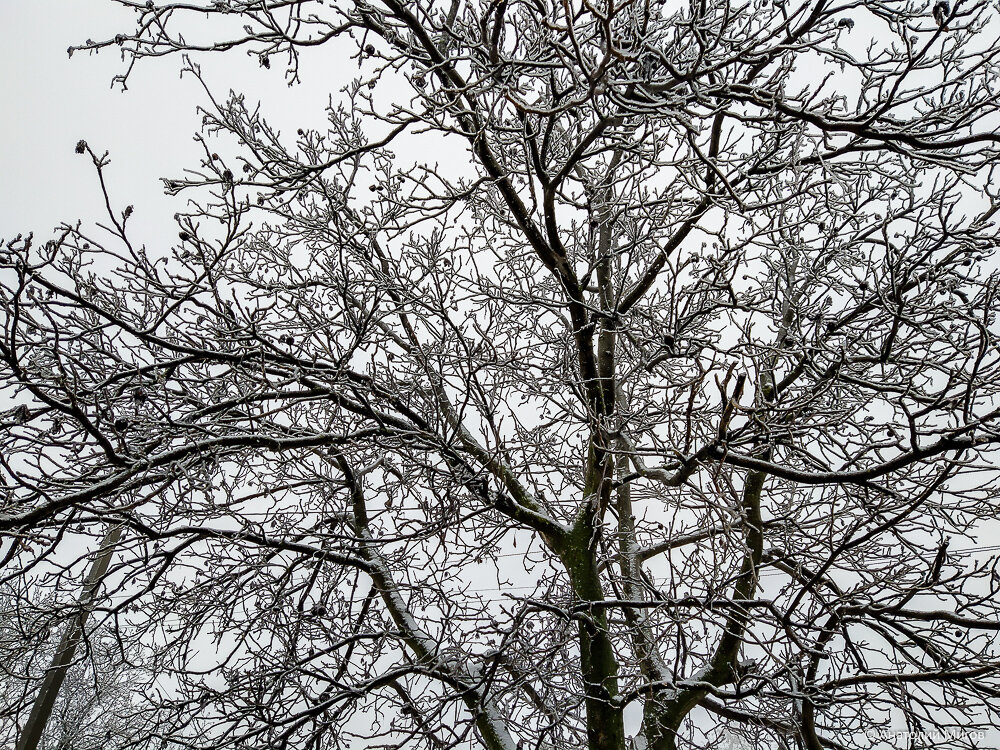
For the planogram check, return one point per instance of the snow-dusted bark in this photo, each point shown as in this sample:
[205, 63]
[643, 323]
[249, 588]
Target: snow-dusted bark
[581, 358]
[460, 673]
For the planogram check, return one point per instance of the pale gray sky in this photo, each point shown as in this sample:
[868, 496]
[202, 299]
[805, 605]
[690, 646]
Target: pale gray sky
[50, 101]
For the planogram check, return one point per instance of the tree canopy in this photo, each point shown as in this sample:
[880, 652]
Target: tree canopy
[595, 375]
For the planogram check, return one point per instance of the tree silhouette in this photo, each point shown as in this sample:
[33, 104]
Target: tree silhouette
[595, 374]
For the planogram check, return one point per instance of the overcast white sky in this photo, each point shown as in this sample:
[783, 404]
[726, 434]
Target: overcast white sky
[50, 101]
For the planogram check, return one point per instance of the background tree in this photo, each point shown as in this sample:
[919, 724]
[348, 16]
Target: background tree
[91, 702]
[595, 370]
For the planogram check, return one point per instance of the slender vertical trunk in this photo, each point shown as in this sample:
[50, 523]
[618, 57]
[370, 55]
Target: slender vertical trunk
[723, 666]
[643, 641]
[598, 665]
[31, 734]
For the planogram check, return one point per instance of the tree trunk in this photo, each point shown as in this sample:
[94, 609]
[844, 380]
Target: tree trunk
[31, 734]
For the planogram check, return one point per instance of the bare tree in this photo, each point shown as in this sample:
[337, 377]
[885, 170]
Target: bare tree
[86, 688]
[595, 371]
[62, 659]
